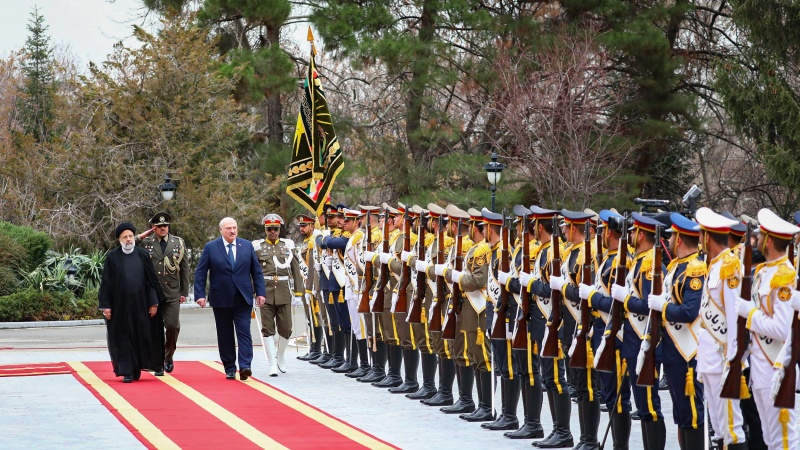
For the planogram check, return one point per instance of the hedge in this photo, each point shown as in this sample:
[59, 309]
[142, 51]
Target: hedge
[31, 305]
[35, 243]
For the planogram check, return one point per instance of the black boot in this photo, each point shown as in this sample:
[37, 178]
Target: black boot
[338, 351]
[363, 355]
[509, 391]
[410, 366]
[447, 374]
[313, 349]
[656, 434]
[326, 355]
[551, 401]
[590, 422]
[532, 405]
[428, 388]
[621, 429]
[691, 438]
[349, 364]
[393, 378]
[464, 404]
[663, 384]
[561, 437]
[484, 412]
[378, 371]
[739, 446]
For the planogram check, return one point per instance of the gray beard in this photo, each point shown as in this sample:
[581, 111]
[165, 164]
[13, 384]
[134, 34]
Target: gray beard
[127, 248]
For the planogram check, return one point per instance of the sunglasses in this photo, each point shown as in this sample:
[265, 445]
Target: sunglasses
[273, 228]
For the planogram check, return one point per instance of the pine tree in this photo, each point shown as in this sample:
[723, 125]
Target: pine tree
[37, 104]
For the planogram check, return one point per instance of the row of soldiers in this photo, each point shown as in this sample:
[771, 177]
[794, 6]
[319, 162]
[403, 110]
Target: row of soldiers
[576, 298]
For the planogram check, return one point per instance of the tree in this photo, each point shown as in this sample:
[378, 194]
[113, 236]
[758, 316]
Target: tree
[37, 102]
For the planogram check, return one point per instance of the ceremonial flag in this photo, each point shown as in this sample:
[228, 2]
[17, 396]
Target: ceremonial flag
[316, 156]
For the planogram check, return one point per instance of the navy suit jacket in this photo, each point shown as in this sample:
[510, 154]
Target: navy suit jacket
[227, 280]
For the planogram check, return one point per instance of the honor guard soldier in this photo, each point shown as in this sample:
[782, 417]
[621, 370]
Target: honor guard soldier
[168, 255]
[378, 349]
[335, 244]
[305, 253]
[615, 389]
[331, 286]
[354, 272]
[769, 319]
[634, 299]
[321, 286]
[679, 305]
[284, 284]
[716, 340]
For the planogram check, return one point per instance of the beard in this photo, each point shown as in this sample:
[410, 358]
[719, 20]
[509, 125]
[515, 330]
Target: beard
[127, 248]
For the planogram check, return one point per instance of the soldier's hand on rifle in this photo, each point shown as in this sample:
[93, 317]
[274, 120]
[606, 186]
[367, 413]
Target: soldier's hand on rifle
[385, 257]
[404, 256]
[656, 302]
[743, 307]
[525, 278]
[439, 269]
[455, 275]
[584, 291]
[309, 296]
[421, 265]
[796, 300]
[502, 277]
[317, 266]
[297, 300]
[369, 256]
[328, 261]
[619, 293]
[556, 283]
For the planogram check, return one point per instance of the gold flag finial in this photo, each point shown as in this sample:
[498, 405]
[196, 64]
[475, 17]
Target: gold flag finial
[310, 39]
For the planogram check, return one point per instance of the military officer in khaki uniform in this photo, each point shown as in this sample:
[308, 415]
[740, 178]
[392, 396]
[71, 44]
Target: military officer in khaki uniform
[284, 283]
[168, 255]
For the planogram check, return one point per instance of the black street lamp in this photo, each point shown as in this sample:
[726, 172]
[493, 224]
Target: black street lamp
[72, 270]
[493, 171]
[168, 188]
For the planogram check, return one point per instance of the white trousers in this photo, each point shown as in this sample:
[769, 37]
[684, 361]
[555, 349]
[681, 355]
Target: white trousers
[777, 435]
[725, 414]
[356, 327]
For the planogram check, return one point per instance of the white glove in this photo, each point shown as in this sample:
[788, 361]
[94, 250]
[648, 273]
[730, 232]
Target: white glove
[619, 293]
[297, 300]
[328, 261]
[385, 257]
[308, 298]
[584, 290]
[404, 256]
[317, 266]
[502, 277]
[556, 283]
[368, 255]
[421, 265]
[743, 307]
[456, 274]
[439, 269]
[796, 300]
[525, 278]
[656, 302]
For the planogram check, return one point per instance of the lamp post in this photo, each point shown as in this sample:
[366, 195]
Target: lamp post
[71, 269]
[167, 188]
[493, 171]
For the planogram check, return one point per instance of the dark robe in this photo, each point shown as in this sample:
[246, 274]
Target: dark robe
[129, 287]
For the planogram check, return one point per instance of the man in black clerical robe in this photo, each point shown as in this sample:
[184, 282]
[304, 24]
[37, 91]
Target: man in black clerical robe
[129, 297]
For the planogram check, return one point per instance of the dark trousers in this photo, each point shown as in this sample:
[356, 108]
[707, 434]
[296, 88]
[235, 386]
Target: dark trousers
[235, 319]
[342, 313]
[687, 412]
[172, 324]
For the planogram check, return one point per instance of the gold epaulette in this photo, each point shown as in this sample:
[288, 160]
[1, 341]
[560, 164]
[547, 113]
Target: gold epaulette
[533, 248]
[784, 276]
[375, 236]
[448, 242]
[414, 239]
[696, 268]
[482, 254]
[336, 232]
[647, 262]
[429, 238]
[730, 266]
[347, 234]
[357, 235]
[466, 244]
[393, 235]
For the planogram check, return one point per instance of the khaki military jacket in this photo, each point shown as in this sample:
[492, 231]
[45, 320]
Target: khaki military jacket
[172, 266]
[282, 275]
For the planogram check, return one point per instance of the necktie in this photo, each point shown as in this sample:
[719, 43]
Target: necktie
[163, 245]
[230, 254]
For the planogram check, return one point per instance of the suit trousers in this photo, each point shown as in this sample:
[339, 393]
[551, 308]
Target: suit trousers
[233, 323]
[171, 313]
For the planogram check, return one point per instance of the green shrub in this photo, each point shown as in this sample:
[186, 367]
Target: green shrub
[33, 305]
[35, 243]
[9, 281]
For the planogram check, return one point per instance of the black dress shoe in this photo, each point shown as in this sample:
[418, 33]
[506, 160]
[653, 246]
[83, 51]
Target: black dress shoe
[158, 372]
[127, 379]
[136, 375]
[245, 373]
[358, 373]
[169, 366]
[230, 375]
[636, 415]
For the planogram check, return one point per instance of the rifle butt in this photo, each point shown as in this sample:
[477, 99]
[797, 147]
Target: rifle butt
[363, 305]
[449, 325]
[435, 321]
[379, 306]
[731, 386]
[520, 341]
[550, 346]
[786, 394]
[499, 328]
[579, 357]
[647, 377]
[604, 361]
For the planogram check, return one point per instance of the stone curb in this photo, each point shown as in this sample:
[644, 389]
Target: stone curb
[67, 323]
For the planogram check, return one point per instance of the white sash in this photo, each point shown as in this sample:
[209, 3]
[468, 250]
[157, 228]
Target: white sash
[683, 335]
[638, 322]
[763, 296]
[338, 269]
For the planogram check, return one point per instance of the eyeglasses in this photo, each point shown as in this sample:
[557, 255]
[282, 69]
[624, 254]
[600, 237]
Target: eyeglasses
[273, 228]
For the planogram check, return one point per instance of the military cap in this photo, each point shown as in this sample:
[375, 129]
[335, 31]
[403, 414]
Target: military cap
[474, 215]
[161, 218]
[682, 225]
[797, 217]
[367, 208]
[350, 213]
[272, 219]
[595, 219]
[415, 211]
[645, 223]
[389, 209]
[575, 217]
[303, 219]
[456, 213]
[436, 211]
[541, 213]
[606, 215]
[491, 218]
[771, 224]
[713, 222]
[401, 208]
[747, 219]
[737, 230]
[521, 212]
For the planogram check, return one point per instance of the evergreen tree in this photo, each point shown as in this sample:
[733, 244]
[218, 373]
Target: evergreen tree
[37, 104]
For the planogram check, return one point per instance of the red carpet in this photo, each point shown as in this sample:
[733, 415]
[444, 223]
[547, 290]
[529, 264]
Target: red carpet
[196, 407]
[27, 370]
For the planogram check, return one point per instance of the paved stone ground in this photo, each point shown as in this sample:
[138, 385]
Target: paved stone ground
[55, 411]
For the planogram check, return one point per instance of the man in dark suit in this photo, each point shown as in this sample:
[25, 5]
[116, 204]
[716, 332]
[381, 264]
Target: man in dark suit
[235, 275]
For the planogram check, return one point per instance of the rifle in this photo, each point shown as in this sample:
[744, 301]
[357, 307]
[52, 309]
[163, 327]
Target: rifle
[580, 357]
[731, 386]
[521, 333]
[415, 312]
[366, 287]
[785, 396]
[551, 344]
[405, 272]
[647, 375]
[449, 326]
[435, 320]
[605, 360]
[378, 306]
[499, 329]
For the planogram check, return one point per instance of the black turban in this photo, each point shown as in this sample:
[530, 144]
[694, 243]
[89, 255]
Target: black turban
[124, 226]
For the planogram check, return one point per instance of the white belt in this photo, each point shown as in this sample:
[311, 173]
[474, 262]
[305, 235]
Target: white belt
[276, 278]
